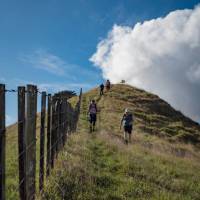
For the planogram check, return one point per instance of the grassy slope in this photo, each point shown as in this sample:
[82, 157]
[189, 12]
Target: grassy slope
[99, 166]
[12, 173]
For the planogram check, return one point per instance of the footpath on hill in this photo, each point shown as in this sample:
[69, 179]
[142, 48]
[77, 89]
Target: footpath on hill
[99, 166]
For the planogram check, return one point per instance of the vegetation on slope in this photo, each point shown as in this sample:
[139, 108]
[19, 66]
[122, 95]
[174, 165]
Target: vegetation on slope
[153, 115]
[99, 165]
[12, 172]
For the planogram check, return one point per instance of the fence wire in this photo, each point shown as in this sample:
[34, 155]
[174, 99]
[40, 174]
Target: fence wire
[65, 124]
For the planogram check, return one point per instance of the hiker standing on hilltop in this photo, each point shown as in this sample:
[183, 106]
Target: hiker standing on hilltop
[92, 115]
[101, 89]
[108, 85]
[127, 121]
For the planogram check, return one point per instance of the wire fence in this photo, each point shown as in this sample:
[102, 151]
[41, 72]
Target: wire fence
[28, 149]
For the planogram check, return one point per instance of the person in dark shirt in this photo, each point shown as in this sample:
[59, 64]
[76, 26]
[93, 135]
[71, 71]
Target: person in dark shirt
[127, 122]
[101, 89]
[108, 85]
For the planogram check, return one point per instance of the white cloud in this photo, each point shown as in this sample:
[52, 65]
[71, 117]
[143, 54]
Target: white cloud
[44, 60]
[56, 87]
[160, 55]
[51, 63]
[194, 73]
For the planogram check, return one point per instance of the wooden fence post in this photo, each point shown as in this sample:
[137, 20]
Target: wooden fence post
[42, 140]
[64, 122]
[57, 126]
[21, 142]
[2, 141]
[67, 116]
[53, 125]
[60, 124]
[48, 136]
[30, 140]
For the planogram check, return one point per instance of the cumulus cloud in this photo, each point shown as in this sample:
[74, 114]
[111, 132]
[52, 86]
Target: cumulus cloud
[160, 55]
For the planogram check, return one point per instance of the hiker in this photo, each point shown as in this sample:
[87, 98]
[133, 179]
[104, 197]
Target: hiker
[92, 115]
[127, 121]
[101, 89]
[107, 85]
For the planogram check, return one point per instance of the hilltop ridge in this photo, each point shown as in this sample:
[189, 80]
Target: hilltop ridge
[162, 162]
[153, 115]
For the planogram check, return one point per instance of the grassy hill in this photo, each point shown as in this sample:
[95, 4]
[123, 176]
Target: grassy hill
[161, 163]
[12, 173]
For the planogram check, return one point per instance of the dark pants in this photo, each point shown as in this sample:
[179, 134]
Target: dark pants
[101, 92]
[127, 133]
[128, 129]
[107, 87]
[93, 118]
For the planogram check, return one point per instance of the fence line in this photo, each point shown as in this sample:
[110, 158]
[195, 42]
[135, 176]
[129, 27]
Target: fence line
[48, 135]
[42, 138]
[21, 142]
[58, 120]
[2, 142]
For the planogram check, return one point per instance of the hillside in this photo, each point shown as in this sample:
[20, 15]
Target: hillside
[12, 173]
[161, 163]
[153, 115]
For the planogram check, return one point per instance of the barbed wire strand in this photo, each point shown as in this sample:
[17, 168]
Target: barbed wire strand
[71, 122]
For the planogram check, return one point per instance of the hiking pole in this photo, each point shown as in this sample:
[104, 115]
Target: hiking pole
[120, 126]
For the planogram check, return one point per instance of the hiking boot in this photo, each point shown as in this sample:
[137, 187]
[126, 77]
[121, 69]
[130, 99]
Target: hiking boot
[126, 141]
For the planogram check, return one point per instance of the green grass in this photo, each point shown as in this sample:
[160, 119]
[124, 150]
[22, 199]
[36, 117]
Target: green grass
[12, 168]
[100, 166]
[163, 161]
[96, 169]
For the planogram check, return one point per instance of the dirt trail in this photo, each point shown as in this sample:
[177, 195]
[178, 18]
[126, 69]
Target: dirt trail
[117, 137]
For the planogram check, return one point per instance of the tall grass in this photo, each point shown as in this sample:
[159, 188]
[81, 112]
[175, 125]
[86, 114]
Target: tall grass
[100, 166]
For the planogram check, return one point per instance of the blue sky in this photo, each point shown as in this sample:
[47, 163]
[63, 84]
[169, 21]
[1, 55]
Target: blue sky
[49, 43]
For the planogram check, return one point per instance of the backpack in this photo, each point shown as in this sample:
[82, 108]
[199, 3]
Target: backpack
[128, 119]
[93, 108]
[102, 86]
